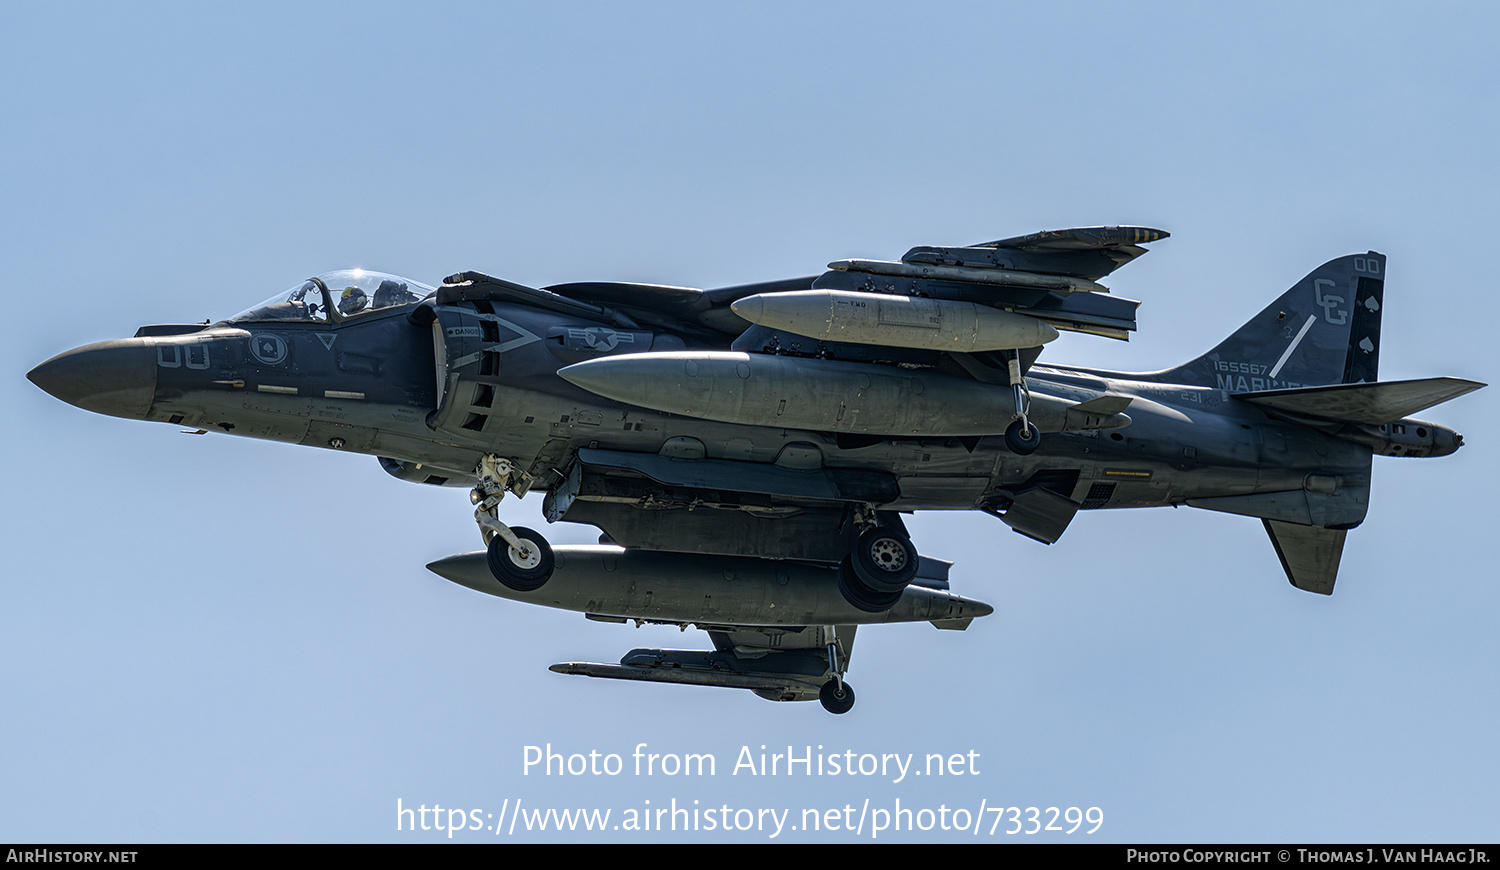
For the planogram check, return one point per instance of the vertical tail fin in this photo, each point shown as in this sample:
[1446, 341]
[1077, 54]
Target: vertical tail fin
[1325, 330]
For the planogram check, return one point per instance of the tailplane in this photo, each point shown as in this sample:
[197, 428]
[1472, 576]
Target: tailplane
[1374, 404]
[1325, 330]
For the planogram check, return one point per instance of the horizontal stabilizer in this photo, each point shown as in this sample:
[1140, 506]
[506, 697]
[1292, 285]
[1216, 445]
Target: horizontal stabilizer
[1374, 403]
[1309, 554]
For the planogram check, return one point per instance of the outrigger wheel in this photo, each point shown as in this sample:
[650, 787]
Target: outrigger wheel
[524, 570]
[1023, 437]
[836, 696]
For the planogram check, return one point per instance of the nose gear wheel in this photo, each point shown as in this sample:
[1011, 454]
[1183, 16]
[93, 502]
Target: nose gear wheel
[519, 558]
[525, 568]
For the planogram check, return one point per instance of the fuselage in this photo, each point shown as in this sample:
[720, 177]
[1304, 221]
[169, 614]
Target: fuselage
[387, 386]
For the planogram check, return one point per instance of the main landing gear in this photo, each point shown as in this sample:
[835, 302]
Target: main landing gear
[519, 558]
[879, 568]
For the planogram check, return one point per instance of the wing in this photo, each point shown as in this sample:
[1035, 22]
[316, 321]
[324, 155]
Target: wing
[698, 496]
[706, 312]
[1083, 252]
[1051, 276]
[964, 311]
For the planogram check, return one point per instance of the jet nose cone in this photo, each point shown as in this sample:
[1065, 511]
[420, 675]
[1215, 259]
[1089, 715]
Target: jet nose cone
[117, 378]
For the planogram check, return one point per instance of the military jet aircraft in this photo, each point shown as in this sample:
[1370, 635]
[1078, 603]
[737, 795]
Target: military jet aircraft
[748, 451]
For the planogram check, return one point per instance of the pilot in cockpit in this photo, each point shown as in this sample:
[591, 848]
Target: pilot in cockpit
[350, 292]
[352, 301]
[393, 293]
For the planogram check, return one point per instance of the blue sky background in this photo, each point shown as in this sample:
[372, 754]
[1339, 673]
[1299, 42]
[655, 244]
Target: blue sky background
[220, 639]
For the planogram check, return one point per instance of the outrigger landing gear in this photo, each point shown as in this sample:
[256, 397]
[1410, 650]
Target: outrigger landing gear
[519, 558]
[836, 696]
[1021, 436]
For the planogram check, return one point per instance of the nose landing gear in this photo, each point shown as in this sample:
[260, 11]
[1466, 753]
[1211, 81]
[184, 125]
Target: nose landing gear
[524, 568]
[519, 558]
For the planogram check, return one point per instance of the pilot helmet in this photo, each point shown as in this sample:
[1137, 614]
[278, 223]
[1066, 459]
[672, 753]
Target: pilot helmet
[353, 300]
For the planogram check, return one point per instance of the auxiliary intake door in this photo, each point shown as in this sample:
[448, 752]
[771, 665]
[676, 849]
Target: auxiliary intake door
[457, 339]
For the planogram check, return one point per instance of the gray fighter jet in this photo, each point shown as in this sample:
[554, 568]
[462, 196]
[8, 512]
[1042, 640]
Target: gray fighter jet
[747, 452]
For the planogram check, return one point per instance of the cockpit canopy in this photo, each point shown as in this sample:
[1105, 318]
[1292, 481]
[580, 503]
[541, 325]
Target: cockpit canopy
[337, 296]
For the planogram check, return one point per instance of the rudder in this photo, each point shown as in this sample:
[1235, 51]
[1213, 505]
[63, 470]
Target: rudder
[1324, 330]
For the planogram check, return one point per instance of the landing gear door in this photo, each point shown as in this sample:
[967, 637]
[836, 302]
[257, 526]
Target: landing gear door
[455, 344]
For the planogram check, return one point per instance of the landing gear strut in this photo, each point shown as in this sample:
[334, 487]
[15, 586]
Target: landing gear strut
[519, 558]
[836, 696]
[1021, 437]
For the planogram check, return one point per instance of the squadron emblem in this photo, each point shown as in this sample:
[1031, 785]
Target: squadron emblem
[269, 349]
